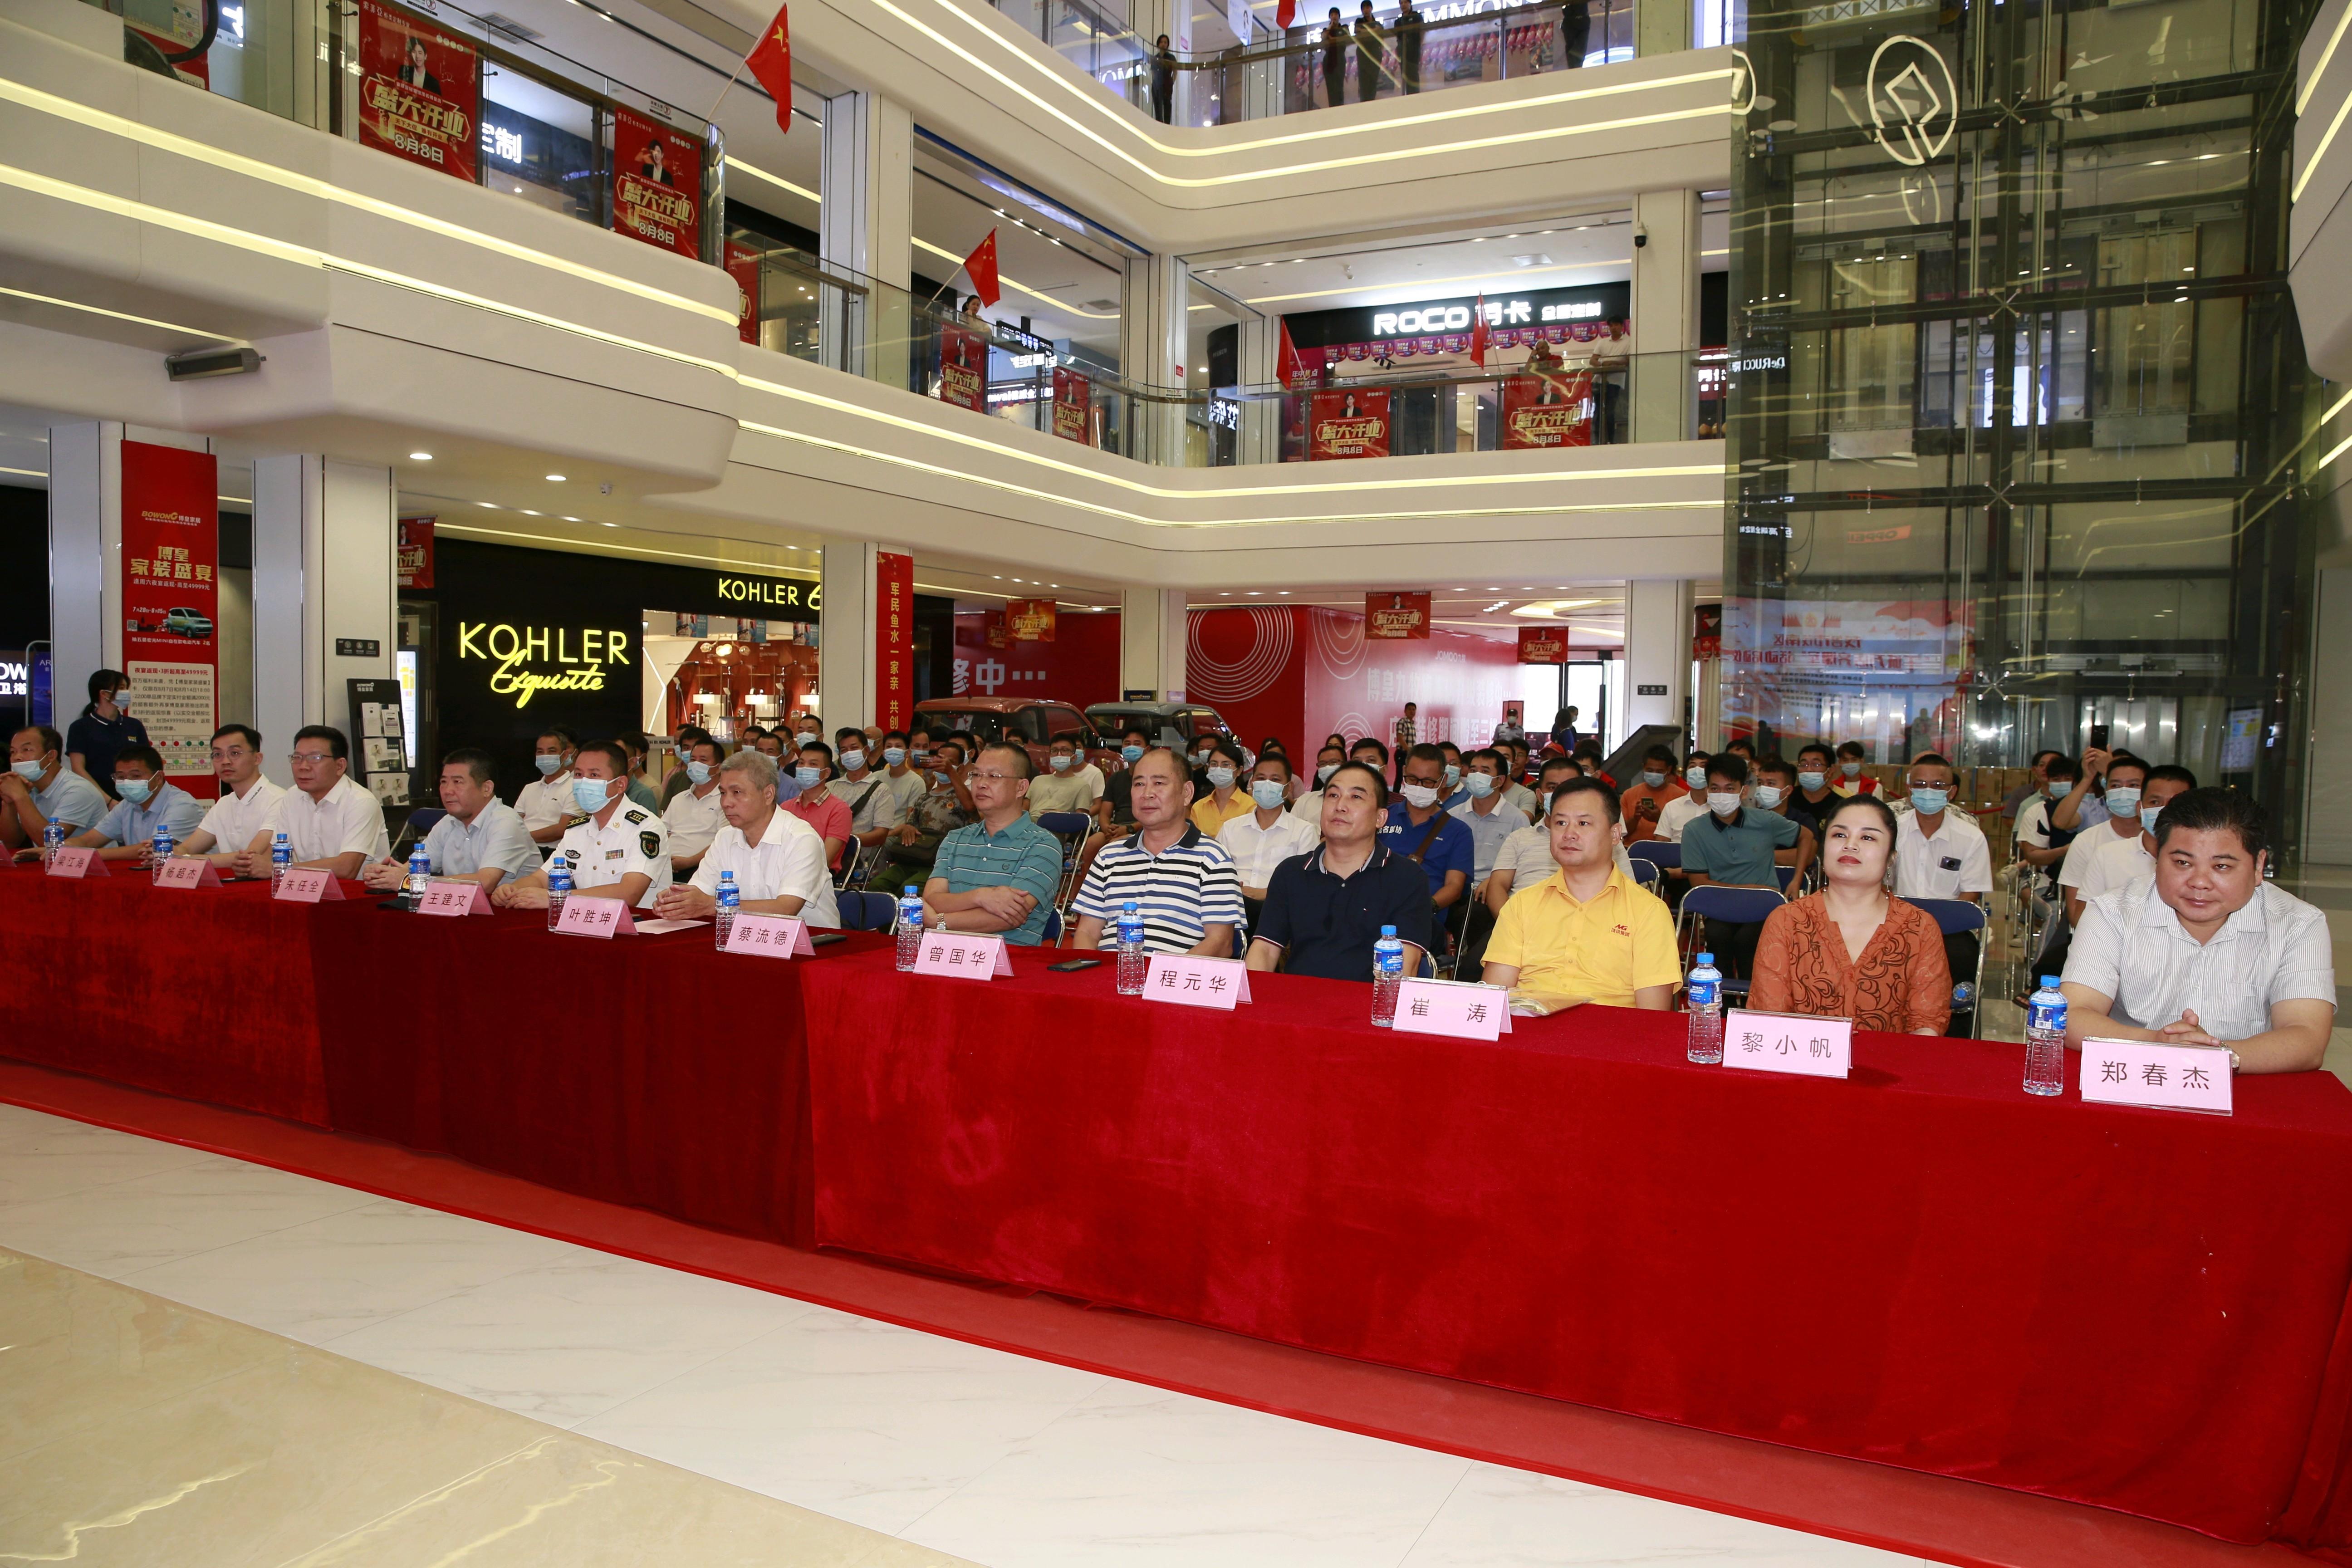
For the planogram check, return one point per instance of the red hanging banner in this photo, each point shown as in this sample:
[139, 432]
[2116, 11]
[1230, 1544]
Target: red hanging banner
[1351, 423]
[420, 90]
[1393, 617]
[744, 266]
[894, 641]
[1029, 620]
[413, 559]
[1543, 645]
[770, 60]
[171, 604]
[1548, 410]
[964, 369]
[1073, 399]
[656, 184]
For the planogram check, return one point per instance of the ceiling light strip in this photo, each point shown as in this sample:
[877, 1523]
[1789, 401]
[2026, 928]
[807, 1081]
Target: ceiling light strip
[614, 547]
[2320, 151]
[2303, 97]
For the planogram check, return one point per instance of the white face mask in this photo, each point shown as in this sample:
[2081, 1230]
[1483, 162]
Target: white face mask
[1723, 802]
[1694, 777]
[1060, 765]
[853, 761]
[1768, 795]
[1221, 778]
[1267, 792]
[1480, 785]
[1420, 797]
[1323, 772]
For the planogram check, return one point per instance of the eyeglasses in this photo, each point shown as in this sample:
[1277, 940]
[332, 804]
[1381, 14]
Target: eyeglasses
[990, 778]
[311, 757]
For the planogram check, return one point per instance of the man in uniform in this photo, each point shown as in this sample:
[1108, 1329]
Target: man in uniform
[126, 832]
[617, 850]
[330, 824]
[482, 839]
[778, 860]
[246, 801]
[39, 789]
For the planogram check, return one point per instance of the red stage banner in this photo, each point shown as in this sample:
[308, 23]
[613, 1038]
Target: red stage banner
[964, 368]
[1542, 644]
[894, 641]
[171, 604]
[1352, 423]
[656, 184]
[1392, 617]
[744, 266]
[1548, 410]
[1073, 400]
[420, 90]
[413, 557]
[1029, 620]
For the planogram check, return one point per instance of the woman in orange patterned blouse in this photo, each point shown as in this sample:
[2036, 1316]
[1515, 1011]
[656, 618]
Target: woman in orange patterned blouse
[1854, 950]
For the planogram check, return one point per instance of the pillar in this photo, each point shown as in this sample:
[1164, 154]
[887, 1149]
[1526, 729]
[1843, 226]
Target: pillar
[85, 536]
[324, 543]
[866, 225]
[1657, 651]
[846, 632]
[1665, 315]
[1155, 337]
[1151, 632]
[1261, 431]
[1666, 30]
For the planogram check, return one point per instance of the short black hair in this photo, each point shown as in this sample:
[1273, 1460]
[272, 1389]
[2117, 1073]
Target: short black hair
[2213, 809]
[890, 735]
[1778, 768]
[1587, 748]
[1659, 755]
[1814, 748]
[1443, 746]
[689, 733]
[819, 746]
[1737, 741]
[1728, 766]
[846, 731]
[50, 740]
[2168, 773]
[563, 737]
[251, 736]
[1487, 754]
[1934, 760]
[2125, 759]
[1585, 783]
[2063, 769]
[611, 752]
[1375, 743]
[1028, 769]
[1852, 751]
[1226, 746]
[1136, 731]
[102, 681]
[717, 750]
[476, 762]
[1559, 761]
[1265, 757]
[1379, 784]
[1426, 752]
[336, 745]
[138, 751]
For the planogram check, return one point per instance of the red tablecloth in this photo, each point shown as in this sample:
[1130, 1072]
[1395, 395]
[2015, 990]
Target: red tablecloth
[1921, 1266]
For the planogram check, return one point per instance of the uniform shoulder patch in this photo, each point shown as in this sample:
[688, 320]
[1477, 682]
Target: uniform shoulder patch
[634, 813]
[651, 844]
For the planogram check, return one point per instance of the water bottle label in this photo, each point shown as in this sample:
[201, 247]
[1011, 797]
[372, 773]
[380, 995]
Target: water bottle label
[2051, 1015]
[1702, 992]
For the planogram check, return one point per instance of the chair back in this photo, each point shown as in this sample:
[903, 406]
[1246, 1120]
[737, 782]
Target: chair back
[1659, 853]
[420, 823]
[1645, 870]
[1953, 917]
[1787, 874]
[1063, 823]
[1053, 934]
[1742, 906]
[866, 911]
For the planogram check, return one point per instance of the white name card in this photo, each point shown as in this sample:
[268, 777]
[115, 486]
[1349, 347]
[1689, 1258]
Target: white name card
[2160, 1077]
[76, 863]
[584, 915]
[769, 936]
[1197, 982]
[1788, 1042]
[188, 871]
[1462, 1009]
[964, 954]
[454, 896]
[307, 885]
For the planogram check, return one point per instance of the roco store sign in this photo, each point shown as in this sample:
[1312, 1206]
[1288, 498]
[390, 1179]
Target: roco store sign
[526, 660]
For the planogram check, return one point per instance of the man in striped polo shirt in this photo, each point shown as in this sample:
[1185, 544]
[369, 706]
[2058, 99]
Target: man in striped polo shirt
[999, 874]
[1181, 882]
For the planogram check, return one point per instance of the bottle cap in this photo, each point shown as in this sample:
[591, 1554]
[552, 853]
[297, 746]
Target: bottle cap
[1129, 907]
[2050, 982]
[1387, 931]
[1707, 958]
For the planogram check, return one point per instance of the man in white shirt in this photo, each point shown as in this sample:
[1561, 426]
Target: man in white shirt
[1490, 818]
[1309, 807]
[1268, 835]
[2205, 951]
[2127, 778]
[905, 777]
[330, 823]
[1526, 856]
[246, 801]
[2119, 861]
[695, 814]
[778, 860]
[620, 850]
[1941, 853]
[874, 805]
[1680, 813]
[545, 803]
[1065, 786]
[480, 838]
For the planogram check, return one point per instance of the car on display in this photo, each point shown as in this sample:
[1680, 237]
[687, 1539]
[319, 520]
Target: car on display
[1034, 722]
[1171, 723]
[187, 623]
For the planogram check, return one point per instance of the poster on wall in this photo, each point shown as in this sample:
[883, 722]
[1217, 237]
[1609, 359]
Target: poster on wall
[1030, 620]
[964, 368]
[1396, 617]
[894, 641]
[170, 603]
[1072, 398]
[1543, 645]
[413, 557]
[656, 184]
[1706, 631]
[1351, 423]
[744, 266]
[1548, 410]
[420, 90]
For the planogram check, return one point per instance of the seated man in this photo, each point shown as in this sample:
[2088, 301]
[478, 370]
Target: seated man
[330, 824]
[1309, 807]
[481, 839]
[1689, 807]
[1181, 880]
[1775, 790]
[1268, 835]
[617, 850]
[2206, 952]
[1525, 857]
[778, 860]
[2115, 862]
[39, 789]
[873, 800]
[1735, 845]
[545, 803]
[997, 874]
[911, 848]
[817, 804]
[1419, 828]
[128, 832]
[695, 814]
[246, 800]
[1585, 930]
[1068, 784]
[1490, 818]
[1325, 911]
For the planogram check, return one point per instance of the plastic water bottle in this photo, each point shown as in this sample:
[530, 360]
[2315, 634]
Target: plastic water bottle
[53, 839]
[910, 928]
[420, 875]
[2045, 1039]
[1704, 1001]
[281, 857]
[559, 887]
[159, 851]
[1134, 963]
[730, 897]
[1388, 974]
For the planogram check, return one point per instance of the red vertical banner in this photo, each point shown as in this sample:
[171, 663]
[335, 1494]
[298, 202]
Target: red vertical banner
[170, 595]
[413, 557]
[964, 368]
[744, 266]
[1543, 645]
[894, 641]
[1393, 616]
[420, 90]
[1349, 423]
[656, 184]
[1548, 410]
[1029, 620]
[1073, 398]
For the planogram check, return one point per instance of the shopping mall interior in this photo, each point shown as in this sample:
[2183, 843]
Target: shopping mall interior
[1955, 380]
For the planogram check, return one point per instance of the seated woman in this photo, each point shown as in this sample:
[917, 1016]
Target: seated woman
[1854, 950]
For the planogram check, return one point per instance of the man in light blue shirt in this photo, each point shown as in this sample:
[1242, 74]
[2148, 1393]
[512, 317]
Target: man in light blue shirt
[128, 831]
[482, 837]
[39, 789]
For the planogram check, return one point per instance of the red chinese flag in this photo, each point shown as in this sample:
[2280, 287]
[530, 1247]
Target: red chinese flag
[1288, 368]
[771, 67]
[981, 268]
[1478, 332]
[1284, 14]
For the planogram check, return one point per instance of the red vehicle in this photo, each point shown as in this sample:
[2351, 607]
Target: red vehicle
[1034, 722]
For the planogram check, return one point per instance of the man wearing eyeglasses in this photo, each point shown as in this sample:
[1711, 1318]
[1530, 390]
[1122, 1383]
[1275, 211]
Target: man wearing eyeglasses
[998, 875]
[330, 822]
[246, 801]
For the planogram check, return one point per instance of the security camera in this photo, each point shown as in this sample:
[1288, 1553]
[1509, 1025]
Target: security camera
[1641, 237]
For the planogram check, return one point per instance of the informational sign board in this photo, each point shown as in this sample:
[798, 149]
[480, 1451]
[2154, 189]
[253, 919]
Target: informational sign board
[420, 90]
[1353, 423]
[168, 573]
[656, 184]
[378, 752]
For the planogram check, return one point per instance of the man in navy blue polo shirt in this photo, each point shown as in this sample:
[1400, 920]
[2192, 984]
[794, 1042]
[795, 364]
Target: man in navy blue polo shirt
[1325, 911]
[1419, 827]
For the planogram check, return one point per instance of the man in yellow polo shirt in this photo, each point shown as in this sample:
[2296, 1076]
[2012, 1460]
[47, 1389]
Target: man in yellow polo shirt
[1587, 929]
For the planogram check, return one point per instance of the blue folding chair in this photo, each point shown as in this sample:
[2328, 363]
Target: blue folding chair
[420, 823]
[1787, 874]
[1052, 936]
[1645, 870]
[1071, 829]
[1956, 917]
[1739, 906]
[1658, 852]
[866, 911]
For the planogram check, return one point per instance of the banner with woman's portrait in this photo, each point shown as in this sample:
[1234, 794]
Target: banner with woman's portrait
[964, 368]
[1551, 409]
[656, 184]
[1353, 423]
[420, 90]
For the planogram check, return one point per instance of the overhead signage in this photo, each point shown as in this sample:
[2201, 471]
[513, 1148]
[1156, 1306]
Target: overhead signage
[1583, 308]
[1543, 645]
[1396, 617]
[1349, 423]
[1029, 620]
[894, 639]
[527, 660]
[1499, 313]
[420, 90]
[656, 184]
[170, 601]
[781, 593]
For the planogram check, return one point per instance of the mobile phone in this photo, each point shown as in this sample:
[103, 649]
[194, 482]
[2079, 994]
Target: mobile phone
[825, 938]
[2098, 737]
[1073, 965]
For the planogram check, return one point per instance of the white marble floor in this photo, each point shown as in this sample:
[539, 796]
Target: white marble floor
[995, 1458]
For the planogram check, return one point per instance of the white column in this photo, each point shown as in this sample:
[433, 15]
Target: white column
[323, 541]
[1660, 29]
[1154, 337]
[866, 225]
[1151, 632]
[845, 633]
[85, 537]
[1261, 431]
[1665, 313]
[1657, 651]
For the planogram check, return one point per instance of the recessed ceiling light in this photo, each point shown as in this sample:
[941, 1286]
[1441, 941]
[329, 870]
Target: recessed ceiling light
[557, 478]
[527, 513]
[490, 504]
[420, 457]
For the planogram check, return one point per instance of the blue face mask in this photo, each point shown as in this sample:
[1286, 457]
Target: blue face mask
[853, 761]
[892, 755]
[1131, 753]
[134, 790]
[1267, 792]
[1453, 776]
[548, 766]
[2059, 789]
[30, 772]
[698, 773]
[1810, 783]
[807, 777]
[1221, 778]
[1928, 802]
[1480, 785]
[590, 796]
[2147, 815]
[2122, 800]
[1654, 778]
[1694, 777]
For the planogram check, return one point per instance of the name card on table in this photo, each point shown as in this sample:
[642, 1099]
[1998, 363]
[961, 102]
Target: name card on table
[454, 896]
[1461, 1009]
[770, 936]
[586, 916]
[188, 871]
[307, 885]
[2161, 1077]
[1788, 1042]
[1197, 982]
[965, 954]
[76, 863]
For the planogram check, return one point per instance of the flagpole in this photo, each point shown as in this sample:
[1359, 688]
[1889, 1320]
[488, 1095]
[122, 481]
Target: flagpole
[732, 77]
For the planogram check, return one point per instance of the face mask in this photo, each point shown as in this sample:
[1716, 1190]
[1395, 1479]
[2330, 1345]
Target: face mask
[807, 777]
[28, 772]
[1267, 792]
[1324, 770]
[1768, 795]
[1722, 802]
[892, 755]
[2147, 815]
[122, 701]
[1928, 802]
[681, 753]
[854, 762]
[697, 773]
[1201, 759]
[1420, 797]
[1131, 753]
[807, 738]
[1694, 777]
[939, 775]
[1654, 778]
[548, 766]
[1059, 765]
[1851, 770]
[2122, 800]
[134, 790]
[588, 795]
[1480, 785]
[1812, 782]
[1221, 778]
[2060, 790]
[1453, 776]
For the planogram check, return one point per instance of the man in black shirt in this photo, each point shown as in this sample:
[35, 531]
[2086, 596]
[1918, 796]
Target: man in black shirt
[1335, 61]
[1325, 911]
[1409, 25]
[1371, 53]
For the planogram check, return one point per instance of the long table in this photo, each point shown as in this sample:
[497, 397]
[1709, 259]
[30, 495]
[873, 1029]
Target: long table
[1921, 1266]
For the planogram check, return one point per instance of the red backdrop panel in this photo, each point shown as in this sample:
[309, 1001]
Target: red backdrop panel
[171, 604]
[1078, 667]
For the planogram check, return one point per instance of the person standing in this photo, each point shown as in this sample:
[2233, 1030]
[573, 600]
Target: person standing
[1408, 732]
[1409, 28]
[1575, 33]
[1371, 52]
[1335, 61]
[1164, 81]
[104, 728]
